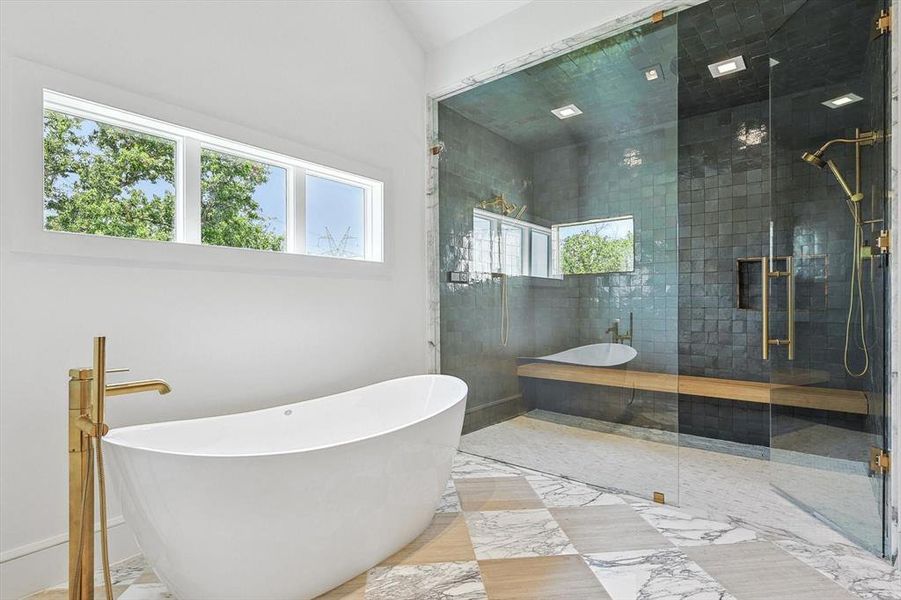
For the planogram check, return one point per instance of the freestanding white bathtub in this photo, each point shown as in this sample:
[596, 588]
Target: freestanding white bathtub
[286, 503]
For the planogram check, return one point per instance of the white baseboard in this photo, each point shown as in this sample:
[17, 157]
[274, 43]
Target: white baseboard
[39, 565]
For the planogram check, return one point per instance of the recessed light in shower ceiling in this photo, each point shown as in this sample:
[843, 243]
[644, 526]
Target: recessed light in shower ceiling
[727, 67]
[565, 112]
[843, 100]
[653, 73]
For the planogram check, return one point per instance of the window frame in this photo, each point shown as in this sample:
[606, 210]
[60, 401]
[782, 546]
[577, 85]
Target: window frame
[556, 240]
[497, 222]
[188, 146]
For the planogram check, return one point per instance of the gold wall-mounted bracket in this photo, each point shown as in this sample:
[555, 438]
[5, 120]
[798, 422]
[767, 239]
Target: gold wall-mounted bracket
[884, 241]
[880, 461]
[883, 23]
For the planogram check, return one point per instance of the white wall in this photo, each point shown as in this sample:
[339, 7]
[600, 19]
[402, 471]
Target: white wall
[231, 330]
[539, 24]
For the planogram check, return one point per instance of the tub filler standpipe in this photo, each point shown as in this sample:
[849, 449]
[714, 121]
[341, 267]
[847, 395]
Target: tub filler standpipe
[87, 392]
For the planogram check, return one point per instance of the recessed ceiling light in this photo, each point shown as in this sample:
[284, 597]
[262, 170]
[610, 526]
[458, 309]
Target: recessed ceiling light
[653, 73]
[565, 112]
[842, 100]
[773, 62]
[725, 67]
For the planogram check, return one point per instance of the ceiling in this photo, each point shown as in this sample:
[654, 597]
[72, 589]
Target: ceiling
[605, 80]
[817, 42]
[822, 43]
[434, 23]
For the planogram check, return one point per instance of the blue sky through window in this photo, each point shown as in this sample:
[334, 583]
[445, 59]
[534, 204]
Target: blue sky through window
[272, 198]
[334, 218]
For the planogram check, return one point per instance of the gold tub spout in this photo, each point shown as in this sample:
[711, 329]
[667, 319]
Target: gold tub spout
[87, 391]
[136, 387]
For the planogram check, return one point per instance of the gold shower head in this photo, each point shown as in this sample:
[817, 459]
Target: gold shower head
[815, 159]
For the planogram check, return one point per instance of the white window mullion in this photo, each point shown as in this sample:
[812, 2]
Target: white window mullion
[526, 251]
[189, 202]
[375, 248]
[297, 211]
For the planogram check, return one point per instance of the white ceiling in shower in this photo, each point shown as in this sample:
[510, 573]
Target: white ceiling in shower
[434, 23]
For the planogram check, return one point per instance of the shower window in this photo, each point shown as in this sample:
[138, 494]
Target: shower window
[595, 246]
[114, 173]
[482, 256]
[511, 249]
[508, 245]
[540, 243]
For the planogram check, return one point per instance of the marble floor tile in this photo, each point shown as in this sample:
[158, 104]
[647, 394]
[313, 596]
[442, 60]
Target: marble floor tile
[62, 593]
[851, 567]
[497, 493]
[665, 574]
[436, 581]
[555, 491]
[449, 502]
[541, 578]
[146, 591]
[684, 529]
[469, 465]
[445, 540]
[124, 572]
[355, 589]
[608, 528]
[604, 459]
[761, 571]
[516, 534]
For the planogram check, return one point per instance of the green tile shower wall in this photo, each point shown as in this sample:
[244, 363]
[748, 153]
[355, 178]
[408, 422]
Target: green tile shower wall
[700, 198]
[570, 183]
[477, 165]
[597, 180]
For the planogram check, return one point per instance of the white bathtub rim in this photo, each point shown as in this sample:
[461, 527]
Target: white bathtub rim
[143, 448]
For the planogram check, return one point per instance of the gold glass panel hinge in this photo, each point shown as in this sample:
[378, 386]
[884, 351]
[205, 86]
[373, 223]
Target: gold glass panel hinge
[884, 241]
[883, 23]
[880, 461]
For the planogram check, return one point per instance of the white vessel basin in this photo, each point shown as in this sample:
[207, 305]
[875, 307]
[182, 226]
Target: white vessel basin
[594, 355]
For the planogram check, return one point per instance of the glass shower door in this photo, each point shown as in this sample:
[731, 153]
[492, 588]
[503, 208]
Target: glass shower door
[827, 292]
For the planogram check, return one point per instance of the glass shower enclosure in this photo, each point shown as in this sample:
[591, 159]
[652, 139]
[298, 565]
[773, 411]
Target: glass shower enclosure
[557, 218]
[829, 191]
[667, 278]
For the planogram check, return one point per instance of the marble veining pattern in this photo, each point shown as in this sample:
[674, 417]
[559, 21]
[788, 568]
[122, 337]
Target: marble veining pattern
[516, 534]
[853, 568]
[470, 465]
[663, 573]
[654, 575]
[450, 501]
[436, 581]
[146, 591]
[558, 492]
[684, 529]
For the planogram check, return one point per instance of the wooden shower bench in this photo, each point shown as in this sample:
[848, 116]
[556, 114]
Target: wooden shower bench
[847, 401]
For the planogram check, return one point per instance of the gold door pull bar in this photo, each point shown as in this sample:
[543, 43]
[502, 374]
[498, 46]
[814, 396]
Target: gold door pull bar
[788, 274]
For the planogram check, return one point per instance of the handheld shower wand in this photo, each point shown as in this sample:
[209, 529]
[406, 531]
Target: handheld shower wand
[853, 201]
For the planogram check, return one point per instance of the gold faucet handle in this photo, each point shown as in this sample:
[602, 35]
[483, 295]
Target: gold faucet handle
[85, 373]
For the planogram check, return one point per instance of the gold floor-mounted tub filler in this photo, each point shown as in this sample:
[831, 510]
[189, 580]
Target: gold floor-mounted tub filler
[87, 392]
